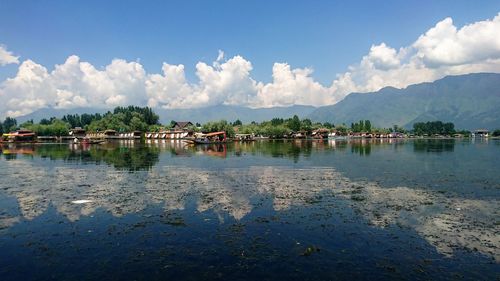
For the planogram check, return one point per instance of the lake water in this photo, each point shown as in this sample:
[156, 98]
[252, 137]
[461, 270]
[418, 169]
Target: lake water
[294, 210]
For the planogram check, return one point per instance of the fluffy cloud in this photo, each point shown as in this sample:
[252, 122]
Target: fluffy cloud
[7, 57]
[445, 45]
[382, 57]
[228, 82]
[72, 84]
[443, 50]
[292, 86]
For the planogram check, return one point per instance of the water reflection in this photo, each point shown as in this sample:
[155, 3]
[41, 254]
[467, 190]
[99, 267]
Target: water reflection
[122, 155]
[361, 148]
[133, 180]
[434, 145]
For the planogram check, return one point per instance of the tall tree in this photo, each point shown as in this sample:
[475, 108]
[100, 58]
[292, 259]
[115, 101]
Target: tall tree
[368, 126]
[294, 123]
[9, 124]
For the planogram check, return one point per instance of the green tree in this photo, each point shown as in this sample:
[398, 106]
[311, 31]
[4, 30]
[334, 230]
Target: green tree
[237, 123]
[328, 125]
[294, 123]
[172, 123]
[9, 124]
[342, 129]
[435, 127]
[277, 121]
[368, 126]
[137, 124]
[218, 126]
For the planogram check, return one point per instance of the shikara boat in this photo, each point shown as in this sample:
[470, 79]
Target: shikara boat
[211, 138]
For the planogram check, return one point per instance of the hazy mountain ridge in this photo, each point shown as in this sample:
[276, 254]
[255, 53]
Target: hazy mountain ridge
[201, 115]
[470, 101]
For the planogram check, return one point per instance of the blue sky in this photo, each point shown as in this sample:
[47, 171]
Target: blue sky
[325, 36]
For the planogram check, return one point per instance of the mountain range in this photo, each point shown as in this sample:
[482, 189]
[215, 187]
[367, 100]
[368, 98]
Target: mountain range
[200, 115]
[470, 101]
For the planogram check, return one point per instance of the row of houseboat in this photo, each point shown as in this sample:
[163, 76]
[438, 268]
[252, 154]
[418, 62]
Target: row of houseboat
[181, 131]
[169, 135]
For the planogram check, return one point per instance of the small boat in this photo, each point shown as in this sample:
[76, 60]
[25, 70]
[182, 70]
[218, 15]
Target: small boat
[86, 141]
[211, 138]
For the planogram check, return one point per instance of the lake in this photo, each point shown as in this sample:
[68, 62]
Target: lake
[296, 210]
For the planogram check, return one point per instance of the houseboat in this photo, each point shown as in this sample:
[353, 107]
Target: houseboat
[77, 132]
[321, 133]
[168, 135]
[481, 133]
[336, 136]
[244, 137]
[20, 136]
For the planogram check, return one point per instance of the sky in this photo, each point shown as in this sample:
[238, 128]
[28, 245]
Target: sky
[187, 54]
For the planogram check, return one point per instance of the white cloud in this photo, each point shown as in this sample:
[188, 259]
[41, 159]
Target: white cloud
[7, 57]
[382, 57]
[292, 86]
[72, 84]
[226, 82]
[443, 50]
[445, 45]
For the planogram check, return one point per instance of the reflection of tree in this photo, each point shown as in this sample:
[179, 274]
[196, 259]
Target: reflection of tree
[434, 145]
[122, 157]
[361, 147]
[277, 148]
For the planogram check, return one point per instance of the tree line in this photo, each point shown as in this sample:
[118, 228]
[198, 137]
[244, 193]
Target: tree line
[121, 119]
[434, 128]
[134, 118]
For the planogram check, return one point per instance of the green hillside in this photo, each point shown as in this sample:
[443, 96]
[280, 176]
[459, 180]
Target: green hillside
[470, 101]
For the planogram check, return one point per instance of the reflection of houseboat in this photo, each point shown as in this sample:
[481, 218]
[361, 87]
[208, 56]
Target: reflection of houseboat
[20, 136]
[215, 137]
[216, 150]
[11, 149]
[87, 141]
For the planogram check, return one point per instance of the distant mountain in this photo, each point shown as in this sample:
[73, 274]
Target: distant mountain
[470, 101]
[232, 113]
[201, 115]
[58, 113]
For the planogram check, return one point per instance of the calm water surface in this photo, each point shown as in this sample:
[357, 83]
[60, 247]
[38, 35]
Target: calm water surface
[296, 210]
